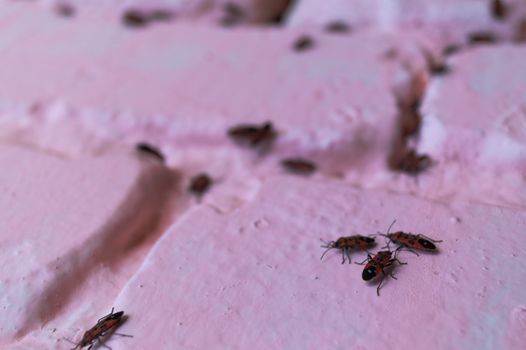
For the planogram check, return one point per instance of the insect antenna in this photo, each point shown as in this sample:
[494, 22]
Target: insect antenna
[386, 234]
[72, 342]
[388, 229]
[325, 252]
[328, 245]
[111, 313]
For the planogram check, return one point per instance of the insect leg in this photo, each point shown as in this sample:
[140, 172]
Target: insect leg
[409, 250]
[348, 253]
[343, 255]
[103, 344]
[69, 341]
[429, 239]
[122, 335]
[412, 251]
[381, 282]
[367, 259]
[398, 261]
[396, 258]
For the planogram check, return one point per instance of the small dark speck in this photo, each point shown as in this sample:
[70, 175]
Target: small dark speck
[481, 38]
[149, 149]
[337, 27]
[298, 166]
[277, 19]
[199, 184]
[134, 19]
[65, 10]
[233, 14]
[390, 54]
[520, 34]
[303, 43]
[161, 15]
[451, 49]
[439, 69]
[499, 10]
[316, 278]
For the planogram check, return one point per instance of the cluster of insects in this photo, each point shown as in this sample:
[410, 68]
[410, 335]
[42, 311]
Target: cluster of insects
[261, 137]
[135, 18]
[258, 137]
[379, 265]
[403, 157]
[104, 326]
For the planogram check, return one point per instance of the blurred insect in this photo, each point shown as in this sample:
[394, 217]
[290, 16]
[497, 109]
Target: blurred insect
[149, 149]
[233, 14]
[499, 10]
[346, 244]
[410, 241]
[413, 163]
[134, 18]
[409, 117]
[303, 43]
[435, 66]
[337, 27]
[377, 265]
[103, 326]
[298, 166]
[450, 50]
[253, 135]
[199, 184]
[476, 38]
[64, 9]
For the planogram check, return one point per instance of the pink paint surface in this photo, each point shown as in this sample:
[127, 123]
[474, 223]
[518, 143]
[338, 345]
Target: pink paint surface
[88, 223]
[488, 96]
[207, 11]
[253, 278]
[207, 80]
[453, 20]
[67, 223]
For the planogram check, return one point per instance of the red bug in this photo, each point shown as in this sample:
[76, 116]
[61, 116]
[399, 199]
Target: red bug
[413, 163]
[135, 18]
[199, 184]
[146, 148]
[103, 326]
[253, 135]
[410, 241]
[377, 265]
[298, 166]
[303, 43]
[346, 244]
